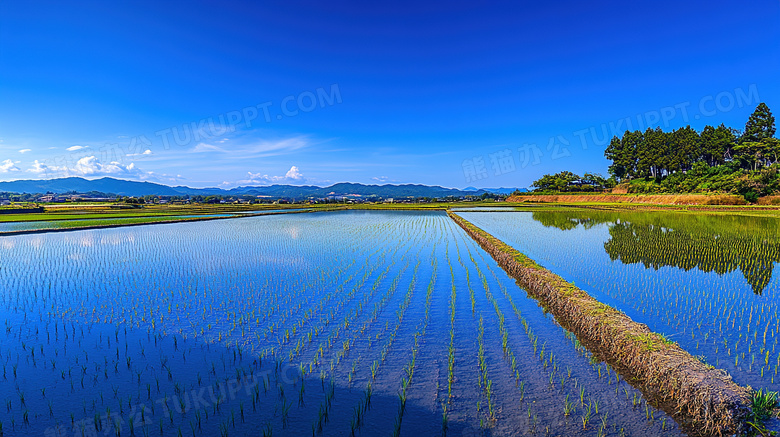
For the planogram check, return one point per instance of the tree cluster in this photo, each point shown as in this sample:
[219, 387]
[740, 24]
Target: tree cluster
[657, 154]
[567, 181]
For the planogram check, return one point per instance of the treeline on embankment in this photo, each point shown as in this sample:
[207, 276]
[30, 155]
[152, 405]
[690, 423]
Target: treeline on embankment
[740, 163]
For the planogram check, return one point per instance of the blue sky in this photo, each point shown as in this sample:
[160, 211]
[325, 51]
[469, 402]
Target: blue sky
[453, 93]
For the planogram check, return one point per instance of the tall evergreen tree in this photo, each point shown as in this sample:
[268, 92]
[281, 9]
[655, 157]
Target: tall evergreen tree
[677, 154]
[651, 153]
[760, 125]
[689, 143]
[630, 145]
[716, 144]
[614, 153]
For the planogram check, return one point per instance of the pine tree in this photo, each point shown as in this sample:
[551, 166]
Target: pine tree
[614, 153]
[760, 125]
[689, 144]
[716, 144]
[630, 145]
[650, 155]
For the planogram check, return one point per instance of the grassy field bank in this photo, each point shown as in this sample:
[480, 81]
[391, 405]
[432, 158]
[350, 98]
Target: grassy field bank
[653, 199]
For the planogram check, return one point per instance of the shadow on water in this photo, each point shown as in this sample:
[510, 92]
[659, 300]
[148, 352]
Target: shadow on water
[710, 243]
[68, 379]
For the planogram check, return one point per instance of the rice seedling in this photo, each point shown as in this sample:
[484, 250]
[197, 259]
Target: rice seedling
[764, 404]
[568, 407]
[586, 417]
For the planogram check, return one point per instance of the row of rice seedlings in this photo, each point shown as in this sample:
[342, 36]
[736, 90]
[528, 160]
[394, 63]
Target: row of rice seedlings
[321, 326]
[359, 411]
[327, 344]
[533, 419]
[360, 334]
[410, 367]
[331, 312]
[451, 347]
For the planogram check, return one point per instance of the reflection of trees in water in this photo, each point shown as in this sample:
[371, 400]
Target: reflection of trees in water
[710, 243]
[659, 247]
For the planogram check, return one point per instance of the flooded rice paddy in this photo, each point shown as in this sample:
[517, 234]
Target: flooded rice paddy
[704, 280]
[359, 322]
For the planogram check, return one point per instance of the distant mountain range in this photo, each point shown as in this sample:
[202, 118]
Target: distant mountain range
[132, 188]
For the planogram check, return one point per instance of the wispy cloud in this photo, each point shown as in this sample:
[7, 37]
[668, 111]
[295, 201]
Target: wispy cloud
[75, 148]
[23, 151]
[204, 148]
[246, 149]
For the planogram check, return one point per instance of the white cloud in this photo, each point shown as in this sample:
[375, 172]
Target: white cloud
[380, 178]
[293, 176]
[146, 152]
[88, 166]
[39, 167]
[74, 148]
[293, 173]
[25, 151]
[91, 166]
[7, 166]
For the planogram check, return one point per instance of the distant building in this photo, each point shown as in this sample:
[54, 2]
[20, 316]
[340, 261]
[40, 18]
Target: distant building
[83, 198]
[51, 198]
